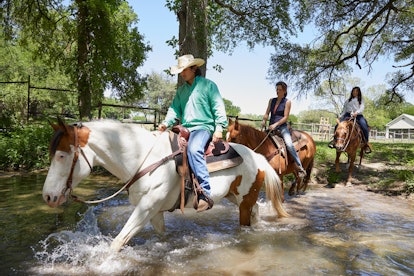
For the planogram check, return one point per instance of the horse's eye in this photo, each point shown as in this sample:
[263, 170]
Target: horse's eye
[59, 156]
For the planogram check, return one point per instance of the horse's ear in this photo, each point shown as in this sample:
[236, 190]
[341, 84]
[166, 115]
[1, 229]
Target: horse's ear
[54, 126]
[60, 122]
[236, 124]
[61, 125]
[230, 121]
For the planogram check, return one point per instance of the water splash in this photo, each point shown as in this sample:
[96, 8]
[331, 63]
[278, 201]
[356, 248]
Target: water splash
[84, 250]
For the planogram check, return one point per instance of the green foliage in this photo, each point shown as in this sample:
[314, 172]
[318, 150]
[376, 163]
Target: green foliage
[25, 148]
[314, 116]
[99, 48]
[343, 40]
[159, 92]
[231, 109]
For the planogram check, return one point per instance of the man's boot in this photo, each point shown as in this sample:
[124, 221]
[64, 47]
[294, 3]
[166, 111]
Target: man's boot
[204, 203]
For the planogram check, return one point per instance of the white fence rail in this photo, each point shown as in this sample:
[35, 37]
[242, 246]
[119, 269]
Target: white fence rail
[323, 132]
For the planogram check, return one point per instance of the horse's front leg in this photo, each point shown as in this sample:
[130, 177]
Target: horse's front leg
[295, 184]
[351, 167]
[283, 188]
[138, 219]
[338, 154]
[361, 154]
[158, 222]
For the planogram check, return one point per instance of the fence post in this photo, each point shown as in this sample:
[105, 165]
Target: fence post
[28, 99]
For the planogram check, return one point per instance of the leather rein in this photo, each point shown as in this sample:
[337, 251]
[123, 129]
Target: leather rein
[127, 185]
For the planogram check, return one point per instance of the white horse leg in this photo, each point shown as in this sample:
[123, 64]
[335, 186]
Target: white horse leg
[158, 222]
[138, 219]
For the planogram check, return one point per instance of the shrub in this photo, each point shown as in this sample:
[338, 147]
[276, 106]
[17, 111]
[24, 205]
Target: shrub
[25, 147]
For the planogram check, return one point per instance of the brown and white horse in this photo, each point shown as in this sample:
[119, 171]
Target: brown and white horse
[262, 143]
[348, 139]
[126, 150]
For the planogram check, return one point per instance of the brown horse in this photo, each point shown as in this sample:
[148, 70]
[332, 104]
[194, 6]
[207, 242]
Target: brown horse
[262, 143]
[348, 138]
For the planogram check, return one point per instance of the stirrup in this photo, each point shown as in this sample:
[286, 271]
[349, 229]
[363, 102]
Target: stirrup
[367, 148]
[302, 174]
[331, 144]
[203, 202]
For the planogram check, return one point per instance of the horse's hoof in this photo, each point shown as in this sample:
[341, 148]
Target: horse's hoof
[348, 184]
[116, 246]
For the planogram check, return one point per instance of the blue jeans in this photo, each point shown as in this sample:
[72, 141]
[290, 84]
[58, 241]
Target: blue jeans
[197, 144]
[289, 145]
[362, 123]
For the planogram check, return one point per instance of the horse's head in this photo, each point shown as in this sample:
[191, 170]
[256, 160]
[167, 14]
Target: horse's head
[66, 169]
[233, 131]
[342, 135]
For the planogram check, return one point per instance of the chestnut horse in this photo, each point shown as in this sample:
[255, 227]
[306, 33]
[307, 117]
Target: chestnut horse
[262, 143]
[348, 138]
[128, 152]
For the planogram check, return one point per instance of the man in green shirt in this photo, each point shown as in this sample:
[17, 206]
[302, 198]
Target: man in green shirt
[200, 107]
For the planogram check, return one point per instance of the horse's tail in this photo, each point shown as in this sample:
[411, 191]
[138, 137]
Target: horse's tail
[274, 190]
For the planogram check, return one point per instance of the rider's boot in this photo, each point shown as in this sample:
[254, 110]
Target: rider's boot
[204, 202]
[332, 144]
[367, 148]
[302, 173]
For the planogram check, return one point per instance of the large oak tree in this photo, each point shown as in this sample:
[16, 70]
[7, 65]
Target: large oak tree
[349, 34]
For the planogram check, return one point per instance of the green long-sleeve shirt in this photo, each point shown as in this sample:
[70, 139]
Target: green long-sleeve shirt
[198, 106]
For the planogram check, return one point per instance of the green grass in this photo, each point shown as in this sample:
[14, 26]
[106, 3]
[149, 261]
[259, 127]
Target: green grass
[395, 177]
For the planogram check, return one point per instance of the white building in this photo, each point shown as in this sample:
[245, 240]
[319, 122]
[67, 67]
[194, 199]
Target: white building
[401, 127]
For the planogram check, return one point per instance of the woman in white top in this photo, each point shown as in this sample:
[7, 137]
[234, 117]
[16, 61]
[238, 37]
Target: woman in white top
[353, 108]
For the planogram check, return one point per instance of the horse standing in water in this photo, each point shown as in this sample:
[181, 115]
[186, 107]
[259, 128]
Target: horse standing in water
[262, 143]
[348, 138]
[127, 151]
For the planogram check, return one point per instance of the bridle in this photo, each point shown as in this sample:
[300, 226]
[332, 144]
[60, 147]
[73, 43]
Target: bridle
[138, 175]
[264, 139]
[78, 149]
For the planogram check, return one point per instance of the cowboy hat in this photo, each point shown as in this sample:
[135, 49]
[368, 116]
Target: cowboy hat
[186, 61]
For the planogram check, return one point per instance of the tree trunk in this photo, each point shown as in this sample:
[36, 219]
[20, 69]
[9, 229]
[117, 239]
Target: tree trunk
[192, 18]
[83, 72]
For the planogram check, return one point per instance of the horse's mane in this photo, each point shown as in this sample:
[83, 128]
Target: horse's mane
[58, 134]
[54, 142]
[250, 131]
[346, 123]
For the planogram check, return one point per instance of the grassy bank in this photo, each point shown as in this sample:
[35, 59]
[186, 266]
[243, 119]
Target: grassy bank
[388, 169]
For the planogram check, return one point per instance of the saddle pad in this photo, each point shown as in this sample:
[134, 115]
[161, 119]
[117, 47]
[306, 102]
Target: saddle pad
[224, 161]
[299, 140]
[218, 162]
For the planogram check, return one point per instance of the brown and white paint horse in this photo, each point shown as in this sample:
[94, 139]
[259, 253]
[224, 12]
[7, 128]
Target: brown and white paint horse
[262, 143]
[125, 149]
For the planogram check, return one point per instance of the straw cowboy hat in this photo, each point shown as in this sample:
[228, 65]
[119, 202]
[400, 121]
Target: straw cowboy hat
[185, 62]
